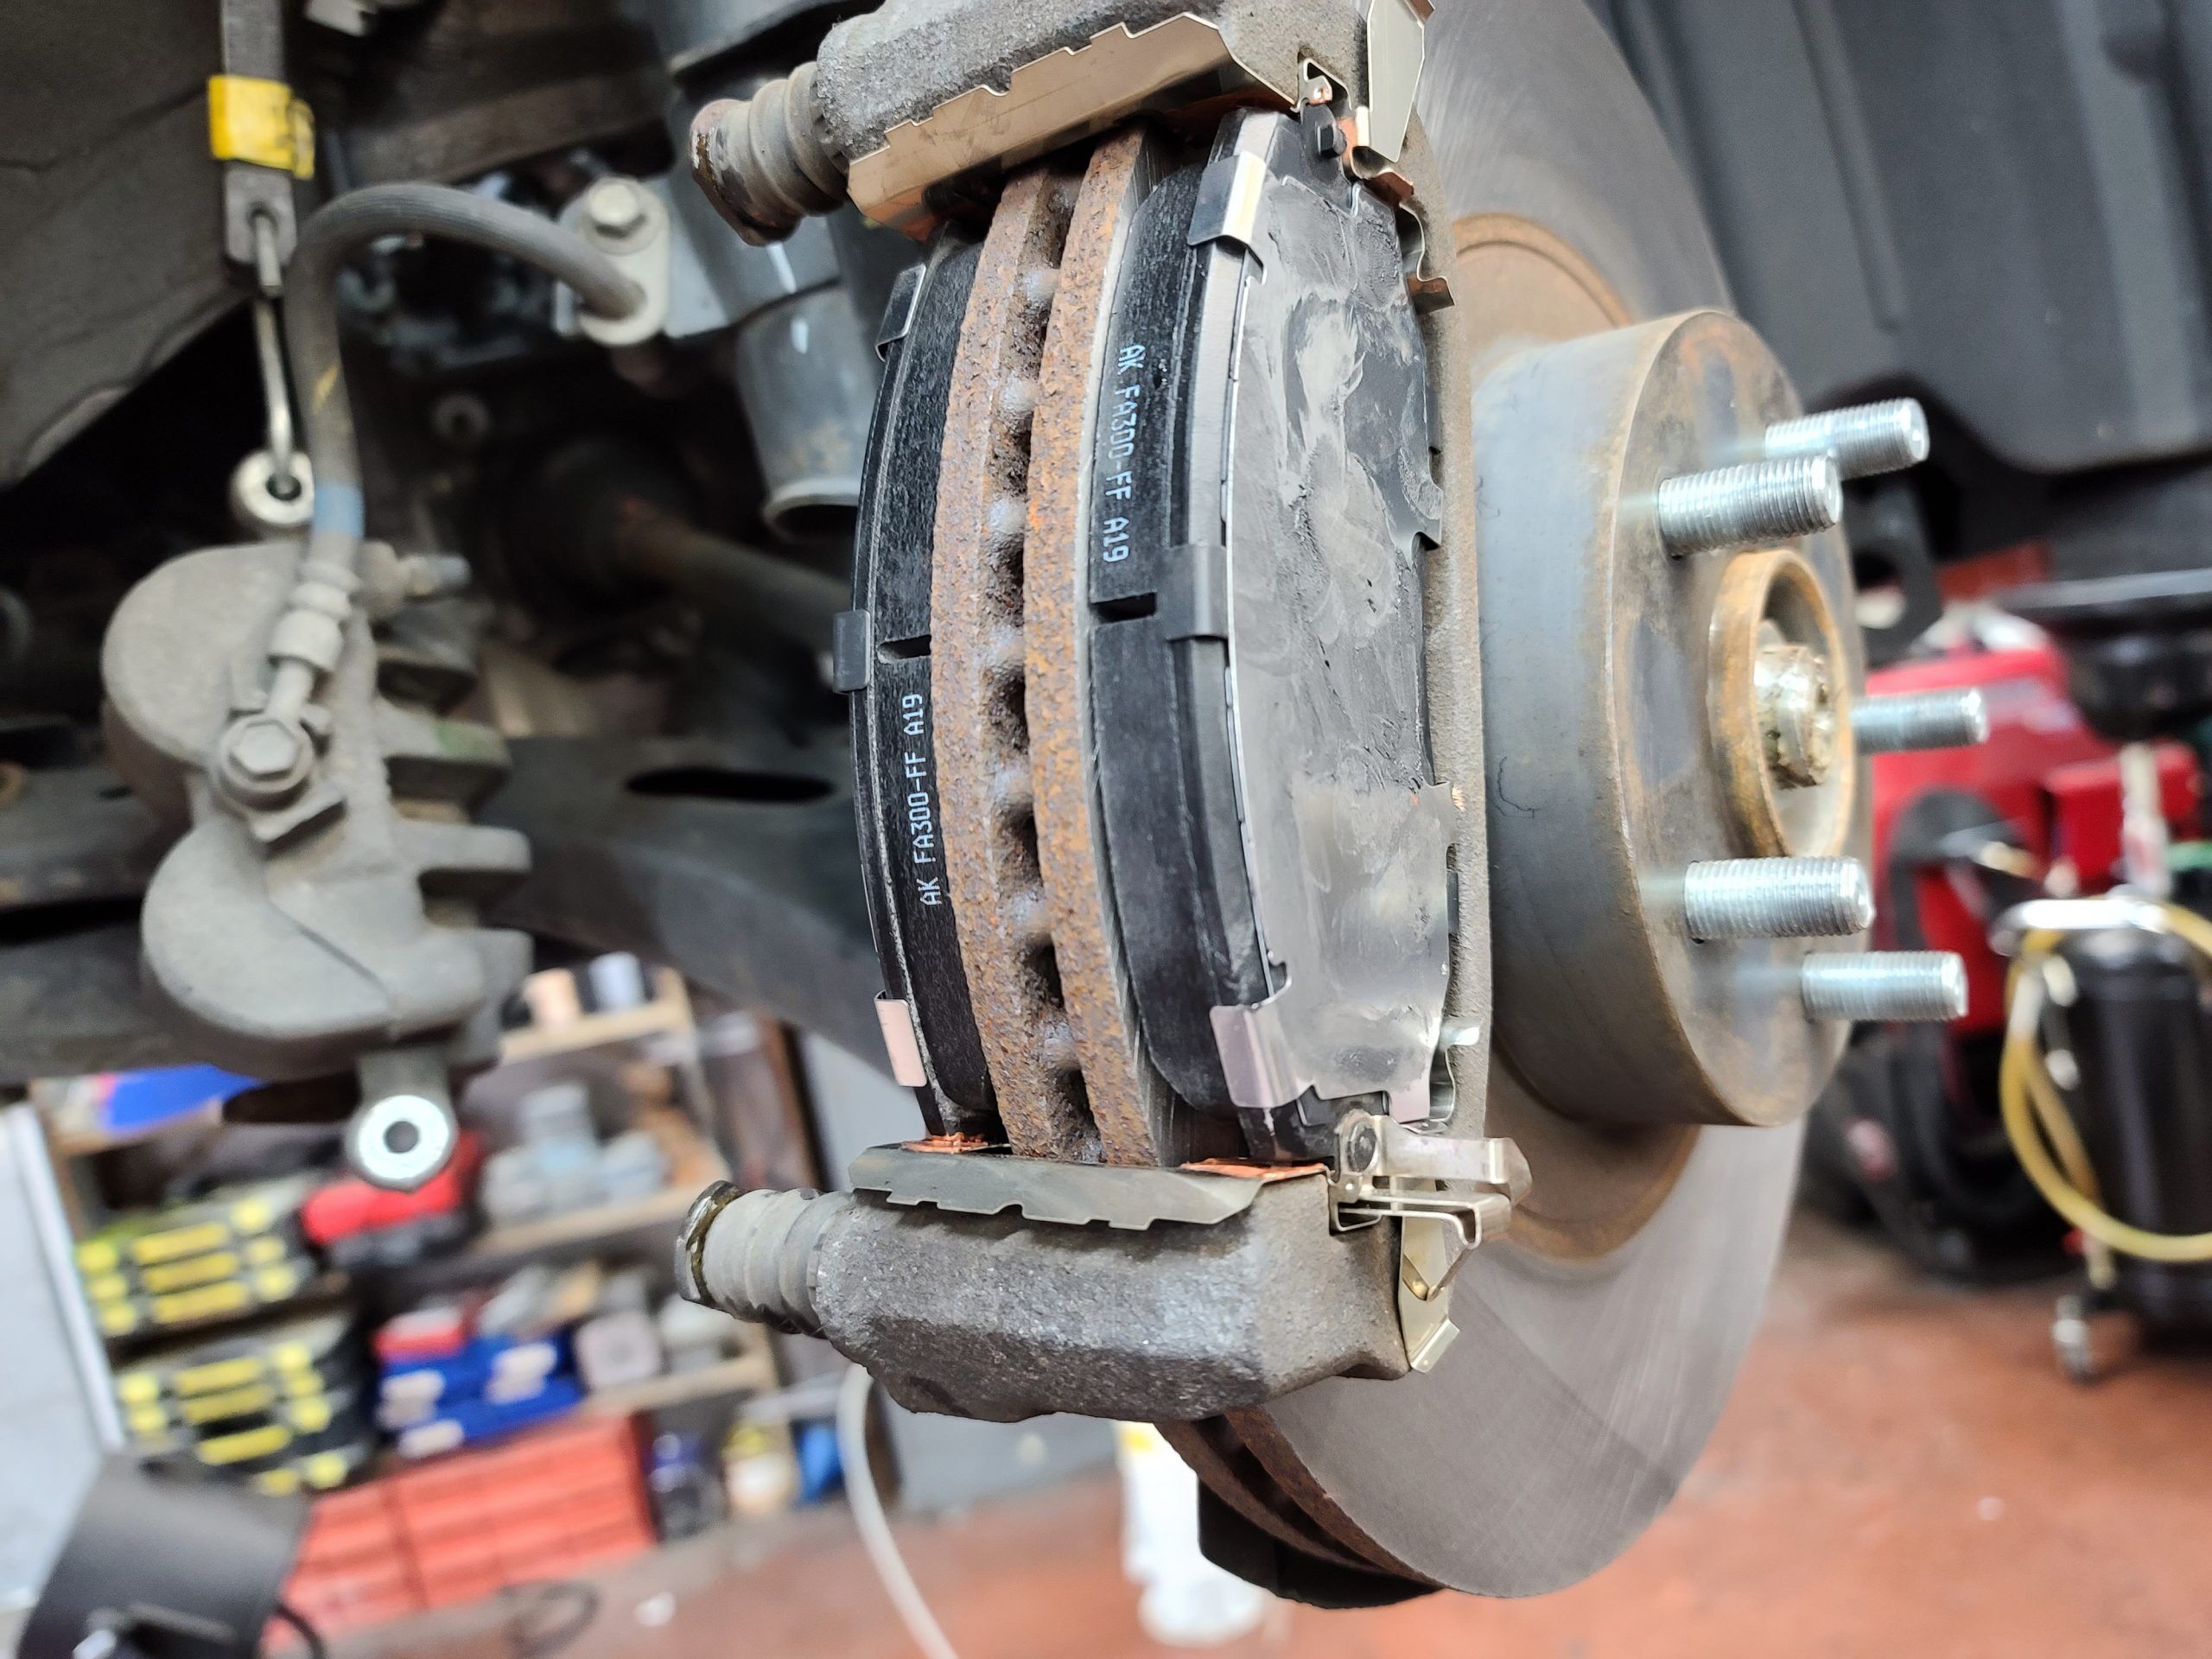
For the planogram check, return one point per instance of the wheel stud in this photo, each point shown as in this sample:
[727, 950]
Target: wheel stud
[1750, 505]
[1776, 899]
[1864, 440]
[1920, 719]
[1885, 985]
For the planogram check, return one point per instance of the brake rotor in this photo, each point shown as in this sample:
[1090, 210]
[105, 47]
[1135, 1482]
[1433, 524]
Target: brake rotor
[1125, 919]
[1597, 1349]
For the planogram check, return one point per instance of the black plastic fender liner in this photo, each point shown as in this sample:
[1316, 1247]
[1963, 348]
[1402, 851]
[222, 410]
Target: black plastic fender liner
[883, 660]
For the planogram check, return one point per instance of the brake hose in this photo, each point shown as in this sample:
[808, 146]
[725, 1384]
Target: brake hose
[2037, 1120]
[306, 638]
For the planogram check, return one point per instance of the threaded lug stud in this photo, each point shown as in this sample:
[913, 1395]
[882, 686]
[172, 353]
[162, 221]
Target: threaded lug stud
[1776, 899]
[1929, 985]
[1920, 719]
[1750, 506]
[1864, 440]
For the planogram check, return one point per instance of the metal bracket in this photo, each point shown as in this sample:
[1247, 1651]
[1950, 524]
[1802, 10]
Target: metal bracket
[1396, 42]
[902, 1041]
[1458, 1045]
[257, 176]
[1193, 600]
[1232, 194]
[626, 219]
[988, 1182]
[898, 314]
[852, 651]
[1447, 1195]
[1254, 1058]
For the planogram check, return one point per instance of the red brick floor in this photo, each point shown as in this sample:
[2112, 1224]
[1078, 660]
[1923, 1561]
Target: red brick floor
[1900, 1471]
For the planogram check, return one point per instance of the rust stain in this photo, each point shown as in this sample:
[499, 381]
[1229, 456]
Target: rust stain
[1129, 1102]
[1244, 1170]
[951, 1144]
[1753, 798]
[1256, 1431]
[1233, 1475]
[978, 678]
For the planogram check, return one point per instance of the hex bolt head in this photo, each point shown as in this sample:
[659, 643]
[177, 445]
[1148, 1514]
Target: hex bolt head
[1776, 899]
[1919, 985]
[264, 748]
[1921, 719]
[614, 207]
[264, 758]
[1755, 505]
[1865, 439]
[1360, 1149]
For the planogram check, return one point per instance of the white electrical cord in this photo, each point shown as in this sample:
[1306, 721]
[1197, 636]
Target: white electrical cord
[875, 1531]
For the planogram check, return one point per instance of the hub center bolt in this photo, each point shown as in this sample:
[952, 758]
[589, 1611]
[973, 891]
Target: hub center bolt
[1796, 713]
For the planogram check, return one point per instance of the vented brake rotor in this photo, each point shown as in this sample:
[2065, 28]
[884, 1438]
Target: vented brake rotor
[1165, 671]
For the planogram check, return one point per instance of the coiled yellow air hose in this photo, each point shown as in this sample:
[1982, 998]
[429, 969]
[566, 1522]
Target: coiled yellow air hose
[2037, 1120]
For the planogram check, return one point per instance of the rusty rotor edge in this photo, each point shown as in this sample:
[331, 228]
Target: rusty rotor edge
[1228, 1469]
[1270, 1453]
[978, 678]
[1129, 1100]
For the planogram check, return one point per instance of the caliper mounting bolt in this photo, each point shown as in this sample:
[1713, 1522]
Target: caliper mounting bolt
[1361, 1147]
[752, 1254]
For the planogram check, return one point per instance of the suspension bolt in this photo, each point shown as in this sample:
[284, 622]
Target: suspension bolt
[1776, 899]
[1864, 440]
[1885, 985]
[614, 207]
[263, 760]
[1750, 505]
[1921, 719]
